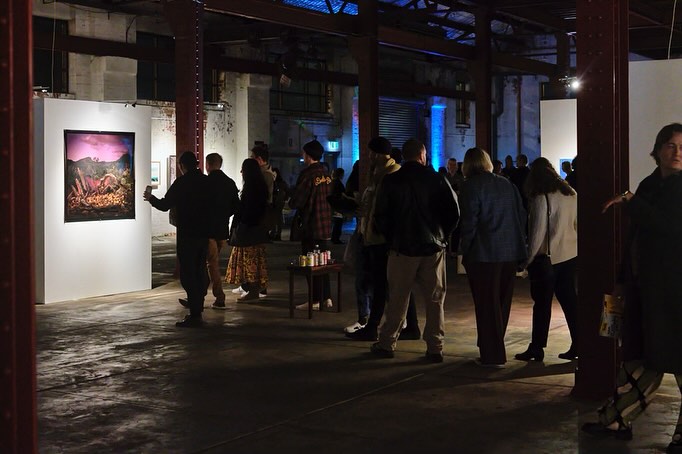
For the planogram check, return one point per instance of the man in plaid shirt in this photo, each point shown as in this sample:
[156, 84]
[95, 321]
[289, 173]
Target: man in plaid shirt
[310, 199]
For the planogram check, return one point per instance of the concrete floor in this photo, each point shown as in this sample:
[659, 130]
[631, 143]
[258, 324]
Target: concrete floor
[115, 375]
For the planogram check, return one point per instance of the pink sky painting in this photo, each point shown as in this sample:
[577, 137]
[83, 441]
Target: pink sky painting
[105, 147]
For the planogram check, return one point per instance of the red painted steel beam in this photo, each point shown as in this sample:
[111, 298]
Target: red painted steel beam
[526, 65]
[394, 37]
[482, 71]
[17, 290]
[186, 20]
[602, 67]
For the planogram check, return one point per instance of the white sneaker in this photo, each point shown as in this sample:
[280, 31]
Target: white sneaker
[304, 307]
[239, 290]
[353, 328]
[328, 303]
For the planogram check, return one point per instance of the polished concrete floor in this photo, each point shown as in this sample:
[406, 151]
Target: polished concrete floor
[115, 375]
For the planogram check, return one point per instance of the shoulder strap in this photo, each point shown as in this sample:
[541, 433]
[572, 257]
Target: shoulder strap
[548, 211]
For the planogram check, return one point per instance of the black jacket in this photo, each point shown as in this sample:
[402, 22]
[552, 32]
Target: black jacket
[189, 195]
[416, 210]
[225, 200]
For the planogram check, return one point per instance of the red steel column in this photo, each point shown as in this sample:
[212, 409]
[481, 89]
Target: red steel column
[602, 68]
[186, 20]
[482, 72]
[17, 293]
[366, 52]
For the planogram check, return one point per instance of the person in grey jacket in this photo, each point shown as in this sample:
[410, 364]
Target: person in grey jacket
[492, 245]
[416, 211]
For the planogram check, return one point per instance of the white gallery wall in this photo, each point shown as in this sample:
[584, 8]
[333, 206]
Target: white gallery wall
[558, 130]
[84, 259]
[655, 100]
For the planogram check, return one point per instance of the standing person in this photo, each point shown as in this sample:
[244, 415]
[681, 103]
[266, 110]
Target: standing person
[519, 177]
[374, 250]
[310, 200]
[416, 209]
[649, 281]
[190, 196]
[337, 190]
[226, 198]
[248, 263]
[509, 168]
[261, 153]
[551, 198]
[280, 194]
[455, 177]
[492, 243]
[497, 167]
[572, 177]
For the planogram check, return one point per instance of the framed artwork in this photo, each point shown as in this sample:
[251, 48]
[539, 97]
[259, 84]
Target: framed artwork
[172, 169]
[99, 176]
[156, 174]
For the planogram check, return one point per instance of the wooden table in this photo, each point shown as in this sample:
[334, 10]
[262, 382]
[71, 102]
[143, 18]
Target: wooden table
[310, 272]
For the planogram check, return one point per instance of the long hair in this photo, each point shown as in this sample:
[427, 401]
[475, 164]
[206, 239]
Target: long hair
[254, 188]
[544, 179]
[663, 136]
[476, 161]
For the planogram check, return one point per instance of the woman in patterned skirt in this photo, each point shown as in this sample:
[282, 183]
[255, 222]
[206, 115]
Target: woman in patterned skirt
[248, 264]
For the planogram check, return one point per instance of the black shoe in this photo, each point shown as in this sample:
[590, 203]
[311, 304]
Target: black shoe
[571, 354]
[410, 334]
[190, 321]
[378, 350]
[599, 430]
[675, 446]
[219, 304]
[183, 302]
[368, 333]
[434, 357]
[531, 354]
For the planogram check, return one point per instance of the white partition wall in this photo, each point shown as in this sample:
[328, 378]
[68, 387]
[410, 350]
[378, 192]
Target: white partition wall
[558, 130]
[98, 257]
[655, 101]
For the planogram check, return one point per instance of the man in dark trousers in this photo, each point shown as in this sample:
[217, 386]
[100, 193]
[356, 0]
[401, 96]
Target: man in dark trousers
[189, 195]
[225, 199]
[416, 211]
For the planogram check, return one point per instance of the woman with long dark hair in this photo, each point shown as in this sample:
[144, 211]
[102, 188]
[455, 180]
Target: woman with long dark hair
[552, 232]
[248, 264]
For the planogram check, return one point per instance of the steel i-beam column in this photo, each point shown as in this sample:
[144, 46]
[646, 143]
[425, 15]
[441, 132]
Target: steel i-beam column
[482, 70]
[602, 68]
[17, 293]
[365, 49]
[186, 19]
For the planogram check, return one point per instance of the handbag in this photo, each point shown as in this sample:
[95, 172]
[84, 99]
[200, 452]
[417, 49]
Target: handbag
[244, 235]
[297, 227]
[540, 268]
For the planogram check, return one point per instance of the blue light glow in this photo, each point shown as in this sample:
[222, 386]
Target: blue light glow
[356, 131]
[437, 135]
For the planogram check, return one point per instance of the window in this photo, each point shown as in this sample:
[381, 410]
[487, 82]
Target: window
[50, 68]
[300, 95]
[155, 81]
[462, 111]
[211, 85]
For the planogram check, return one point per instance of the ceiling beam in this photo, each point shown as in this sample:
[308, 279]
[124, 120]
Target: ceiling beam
[526, 65]
[537, 18]
[277, 13]
[393, 37]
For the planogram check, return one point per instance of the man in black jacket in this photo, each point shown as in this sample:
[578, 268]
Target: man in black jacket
[225, 196]
[189, 195]
[416, 210]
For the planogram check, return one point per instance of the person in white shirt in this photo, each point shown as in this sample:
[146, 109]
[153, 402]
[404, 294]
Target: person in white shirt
[554, 235]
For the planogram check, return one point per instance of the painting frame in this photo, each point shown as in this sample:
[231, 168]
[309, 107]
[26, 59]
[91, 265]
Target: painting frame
[99, 175]
[155, 175]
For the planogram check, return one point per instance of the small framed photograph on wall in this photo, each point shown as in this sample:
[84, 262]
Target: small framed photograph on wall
[156, 174]
[172, 169]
